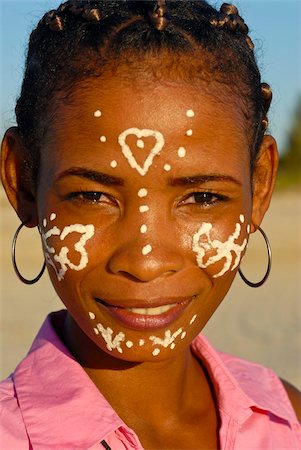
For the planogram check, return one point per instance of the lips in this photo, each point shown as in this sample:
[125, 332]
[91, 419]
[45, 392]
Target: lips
[146, 317]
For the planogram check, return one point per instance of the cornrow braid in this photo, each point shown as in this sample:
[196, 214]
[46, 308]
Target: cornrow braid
[157, 16]
[230, 19]
[267, 96]
[82, 38]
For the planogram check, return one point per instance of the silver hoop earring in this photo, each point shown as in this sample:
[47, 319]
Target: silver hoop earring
[13, 255]
[261, 282]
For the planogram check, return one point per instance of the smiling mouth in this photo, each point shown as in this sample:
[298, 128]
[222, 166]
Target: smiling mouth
[142, 318]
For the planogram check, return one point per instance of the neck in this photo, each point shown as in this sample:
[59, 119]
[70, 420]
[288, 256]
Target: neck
[143, 390]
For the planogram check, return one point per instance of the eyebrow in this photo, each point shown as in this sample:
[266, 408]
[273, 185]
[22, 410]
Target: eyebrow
[202, 179]
[99, 177]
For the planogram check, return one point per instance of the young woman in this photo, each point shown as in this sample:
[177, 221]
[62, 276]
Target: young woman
[141, 155]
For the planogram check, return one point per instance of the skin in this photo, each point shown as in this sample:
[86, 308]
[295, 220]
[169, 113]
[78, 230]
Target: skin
[117, 270]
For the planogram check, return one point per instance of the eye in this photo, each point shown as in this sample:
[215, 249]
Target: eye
[205, 199]
[90, 197]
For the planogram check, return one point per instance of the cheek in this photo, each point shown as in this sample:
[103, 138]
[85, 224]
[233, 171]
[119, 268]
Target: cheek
[65, 245]
[220, 255]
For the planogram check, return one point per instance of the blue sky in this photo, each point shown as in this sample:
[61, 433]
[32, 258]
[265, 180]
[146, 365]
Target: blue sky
[275, 28]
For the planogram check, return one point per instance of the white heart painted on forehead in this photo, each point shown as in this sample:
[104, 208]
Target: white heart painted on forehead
[128, 154]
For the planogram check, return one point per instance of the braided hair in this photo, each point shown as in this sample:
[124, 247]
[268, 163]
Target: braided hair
[80, 39]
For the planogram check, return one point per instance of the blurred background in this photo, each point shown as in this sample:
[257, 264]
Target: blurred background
[262, 325]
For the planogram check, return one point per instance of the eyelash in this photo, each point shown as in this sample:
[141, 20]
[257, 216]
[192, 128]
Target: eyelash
[89, 197]
[208, 199]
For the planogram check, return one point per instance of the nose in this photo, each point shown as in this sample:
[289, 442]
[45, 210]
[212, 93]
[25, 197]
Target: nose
[128, 260]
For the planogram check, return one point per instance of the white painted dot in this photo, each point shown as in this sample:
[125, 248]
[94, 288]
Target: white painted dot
[52, 216]
[143, 208]
[143, 229]
[172, 346]
[189, 133]
[103, 139]
[97, 113]
[129, 344]
[119, 349]
[146, 250]
[141, 342]
[193, 319]
[44, 223]
[156, 352]
[183, 335]
[167, 167]
[181, 152]
[142, 193]
[242, 218]
[248, 229]
[91, 315]
[113, 164]
[140, 143]
[190, 113]
[96, 331]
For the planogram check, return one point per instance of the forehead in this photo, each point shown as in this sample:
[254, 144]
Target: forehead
[109, 106]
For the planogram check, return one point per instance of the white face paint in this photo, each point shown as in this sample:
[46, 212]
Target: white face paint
[142, 193]
[190, 113]
[181, 152]
[103, 139]
[143, 208]
[146, 250]
[193, 319]
[223, 250]
[52, 217]
[92, 315]
[143, 229]
[97, 113]
[141, 342]
[128, 153]
[167, 167]
[129, 344]
[189, 133]
[107, 335]
[85, 231]
[113, 164]
[156, 352]
[168, 338]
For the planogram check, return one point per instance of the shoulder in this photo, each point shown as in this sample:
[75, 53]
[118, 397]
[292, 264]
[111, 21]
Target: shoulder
[295, 397]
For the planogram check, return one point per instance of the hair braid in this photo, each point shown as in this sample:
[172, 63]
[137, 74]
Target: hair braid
[157, 15]
[81, 38]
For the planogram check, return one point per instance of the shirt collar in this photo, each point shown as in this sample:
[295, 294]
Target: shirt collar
[242, 387]
[50, 386]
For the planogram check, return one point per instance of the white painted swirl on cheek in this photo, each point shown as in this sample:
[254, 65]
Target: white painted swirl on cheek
[203, 243]
[86, 232]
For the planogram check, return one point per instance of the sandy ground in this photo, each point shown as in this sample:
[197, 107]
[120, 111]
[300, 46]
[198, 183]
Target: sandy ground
[262, 325]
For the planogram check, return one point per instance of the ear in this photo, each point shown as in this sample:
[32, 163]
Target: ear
[18, 186]
[264, 178]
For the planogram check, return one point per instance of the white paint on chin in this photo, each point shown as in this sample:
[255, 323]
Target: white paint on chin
[193, 319]
[113, 164]
[168, 338]
[92, 315]
[189, 132]
[223, 250]
[156, 352]
[103, 139]
[107, 335]
[97, 113]
[167, 167]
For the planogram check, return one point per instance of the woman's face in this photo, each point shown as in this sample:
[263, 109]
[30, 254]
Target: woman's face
[144, 206]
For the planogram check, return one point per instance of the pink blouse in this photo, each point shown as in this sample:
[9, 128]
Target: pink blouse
[49, 402]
